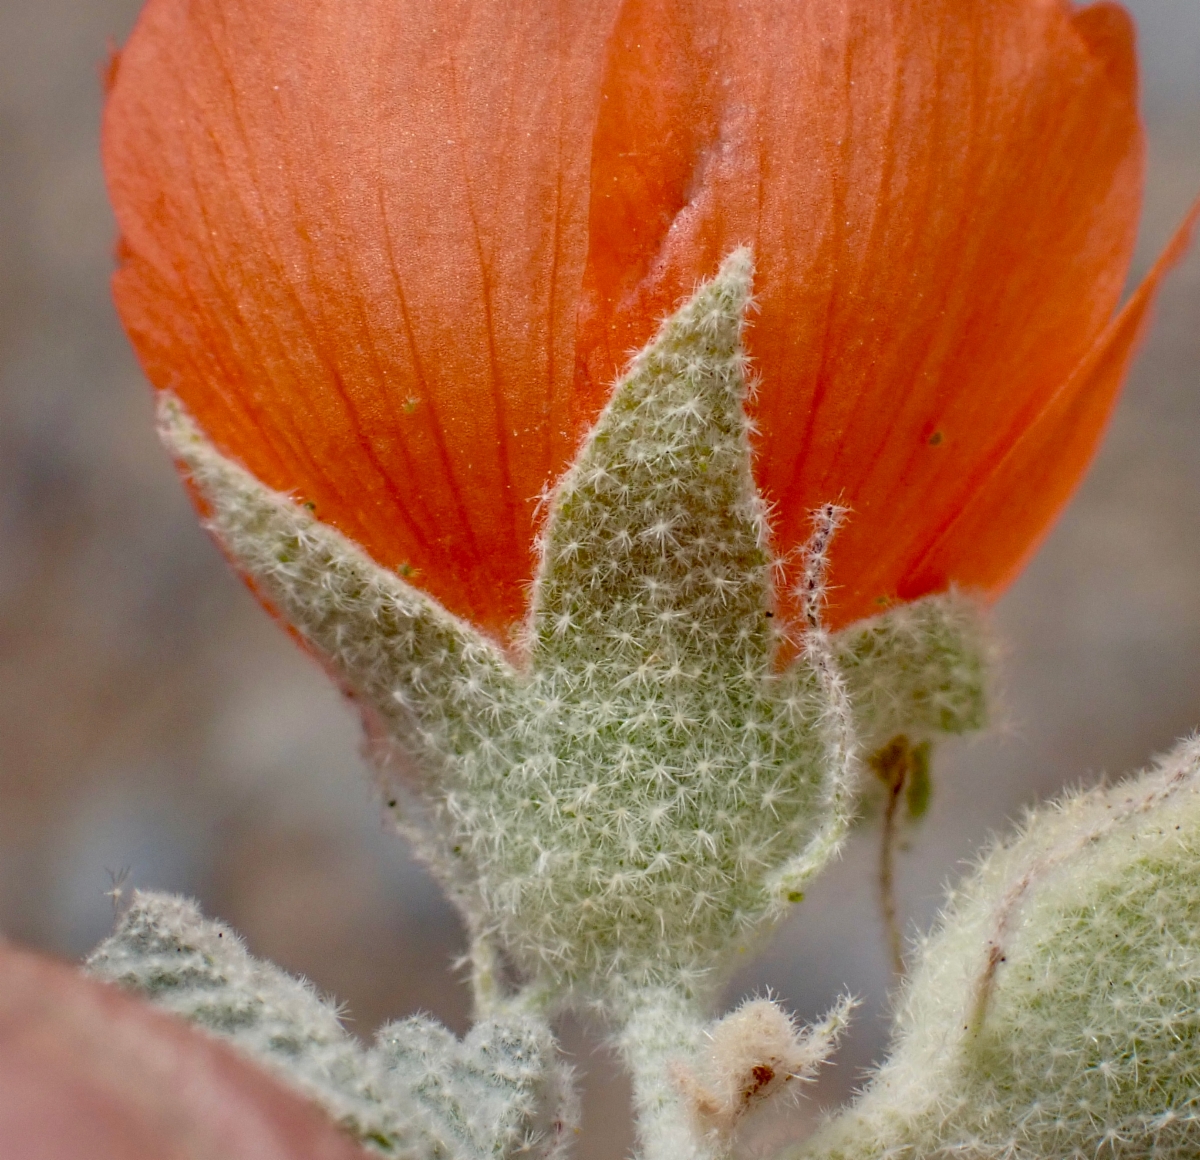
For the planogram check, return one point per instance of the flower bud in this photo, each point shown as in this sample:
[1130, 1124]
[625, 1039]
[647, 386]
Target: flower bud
[1056, 1011]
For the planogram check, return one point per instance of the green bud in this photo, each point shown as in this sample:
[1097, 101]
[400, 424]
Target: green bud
[1056, 1010]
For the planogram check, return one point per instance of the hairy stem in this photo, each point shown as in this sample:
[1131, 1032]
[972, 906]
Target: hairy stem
[658, 1037]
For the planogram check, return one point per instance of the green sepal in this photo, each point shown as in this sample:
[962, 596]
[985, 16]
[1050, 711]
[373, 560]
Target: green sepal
[644, 793]
[438, 683]
[919, 669]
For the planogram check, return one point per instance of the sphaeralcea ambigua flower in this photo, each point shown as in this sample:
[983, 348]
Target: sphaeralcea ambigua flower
[385, 261]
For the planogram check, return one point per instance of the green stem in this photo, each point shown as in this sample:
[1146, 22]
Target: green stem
[662, 1036]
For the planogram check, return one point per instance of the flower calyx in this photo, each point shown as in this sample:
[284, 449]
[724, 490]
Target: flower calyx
[643, 790]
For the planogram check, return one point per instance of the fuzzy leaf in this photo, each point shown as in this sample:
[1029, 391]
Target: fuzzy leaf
[418, 1093]
[1056, 1012]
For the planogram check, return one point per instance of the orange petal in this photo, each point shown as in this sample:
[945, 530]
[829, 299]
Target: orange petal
[392, 255]
[353, 237]
[987, 543]
[942, 198]
[88, 1071]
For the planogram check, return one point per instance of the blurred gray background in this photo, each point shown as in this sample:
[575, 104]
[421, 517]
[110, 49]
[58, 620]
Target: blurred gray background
[153, 720]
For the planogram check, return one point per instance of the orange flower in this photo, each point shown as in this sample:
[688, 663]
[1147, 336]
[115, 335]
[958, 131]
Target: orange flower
[392, 255]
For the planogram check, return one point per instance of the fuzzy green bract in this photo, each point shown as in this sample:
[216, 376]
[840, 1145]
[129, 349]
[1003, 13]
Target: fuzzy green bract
[664, 771]
[641, 792]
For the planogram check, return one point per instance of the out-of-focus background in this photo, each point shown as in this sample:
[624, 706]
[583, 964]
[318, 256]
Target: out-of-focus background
[155, 724]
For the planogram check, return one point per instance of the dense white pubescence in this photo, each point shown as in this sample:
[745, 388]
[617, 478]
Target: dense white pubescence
[503, 1091]
[695, 1080]
[1056, 1012]
[417, 1093]
[752, 1055]
[645, 793]
[661, 1037]
[920, 669]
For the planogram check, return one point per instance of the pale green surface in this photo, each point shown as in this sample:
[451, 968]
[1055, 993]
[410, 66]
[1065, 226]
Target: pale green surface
[417, 1093]
[1082, 1040]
